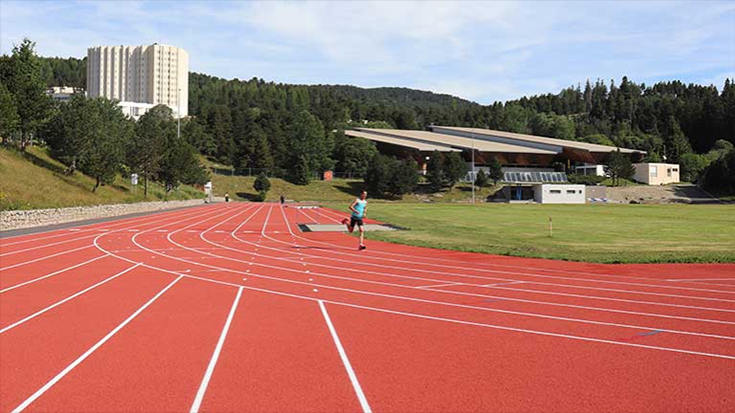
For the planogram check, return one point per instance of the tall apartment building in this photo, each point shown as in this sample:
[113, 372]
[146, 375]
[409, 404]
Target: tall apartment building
[135, 75]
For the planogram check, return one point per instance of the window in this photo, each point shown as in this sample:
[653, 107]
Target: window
[654, 171]
[555, 191]
[571, 191]
[676, 169]
[668, 172]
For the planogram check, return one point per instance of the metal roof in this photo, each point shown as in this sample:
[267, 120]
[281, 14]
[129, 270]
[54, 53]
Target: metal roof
[533, 139]
[407, 137]
[418, 145]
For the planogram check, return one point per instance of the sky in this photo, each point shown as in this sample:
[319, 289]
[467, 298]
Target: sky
[484, 51]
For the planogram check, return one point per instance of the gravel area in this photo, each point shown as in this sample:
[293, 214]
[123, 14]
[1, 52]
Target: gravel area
[663, 194]
[52, 216]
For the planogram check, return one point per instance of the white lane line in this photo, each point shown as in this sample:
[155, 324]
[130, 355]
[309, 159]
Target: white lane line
[71, 297]
[52, 274]
[46, 245]
[91, 350]
[345, 360]
[705, 279]
[422, 300]
[508, 283]
[215, 356]
[45, 257]
[442, 285]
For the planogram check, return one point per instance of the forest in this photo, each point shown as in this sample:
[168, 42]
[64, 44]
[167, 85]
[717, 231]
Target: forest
[265, 125]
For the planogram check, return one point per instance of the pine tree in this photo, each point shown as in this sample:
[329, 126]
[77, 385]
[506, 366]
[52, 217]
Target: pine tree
[455, 168]
[481, 179]
[262, 185]
[496, 171]
[435, 171]
[29, 91]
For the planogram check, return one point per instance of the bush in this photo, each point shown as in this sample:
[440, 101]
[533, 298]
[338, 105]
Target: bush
[719, 177]
[692, 166]
[262, 184]
[481, 179]
[435, 171]
[388, 177]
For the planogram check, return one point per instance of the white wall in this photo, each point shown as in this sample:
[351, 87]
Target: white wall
[559, 194]
[656, 173]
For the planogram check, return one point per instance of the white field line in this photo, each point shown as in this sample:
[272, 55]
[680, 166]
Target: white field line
[341, 269]
[704, 279]
[87, 246]
[20, 264]
[71, 297]
[441, 285]
[125, 222]
[481, 264]
[122, 221]
[508, 283]
[438, 302]
[417, 262]
[542, 333]
[215, 356]
[91, 350]
[43, 277]
[345, 360]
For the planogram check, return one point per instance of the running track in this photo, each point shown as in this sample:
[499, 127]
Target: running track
[230, 308]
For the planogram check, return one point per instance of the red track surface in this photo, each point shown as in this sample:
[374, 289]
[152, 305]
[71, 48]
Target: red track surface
[229, 308]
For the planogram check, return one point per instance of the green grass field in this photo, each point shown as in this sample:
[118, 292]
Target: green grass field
[595, 233]
[34, 181]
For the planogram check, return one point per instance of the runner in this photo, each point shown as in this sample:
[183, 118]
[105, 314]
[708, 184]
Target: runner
[359, 210]
[227, 197]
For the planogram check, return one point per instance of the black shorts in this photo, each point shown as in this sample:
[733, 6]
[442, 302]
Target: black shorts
[355, 221]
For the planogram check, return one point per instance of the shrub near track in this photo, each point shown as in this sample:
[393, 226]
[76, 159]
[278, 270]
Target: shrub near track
[593, 233]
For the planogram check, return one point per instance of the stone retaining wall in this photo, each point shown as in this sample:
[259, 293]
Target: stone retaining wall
[41, 217]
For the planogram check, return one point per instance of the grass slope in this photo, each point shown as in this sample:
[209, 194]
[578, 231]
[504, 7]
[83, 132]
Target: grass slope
[595, 233]
[33, 180]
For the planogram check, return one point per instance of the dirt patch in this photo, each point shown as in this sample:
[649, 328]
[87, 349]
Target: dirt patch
[664, 194]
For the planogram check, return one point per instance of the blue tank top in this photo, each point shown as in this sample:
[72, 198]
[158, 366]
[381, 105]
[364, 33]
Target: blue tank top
[360, 208]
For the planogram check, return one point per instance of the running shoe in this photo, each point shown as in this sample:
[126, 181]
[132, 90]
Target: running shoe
[361, 247]
[345, 221]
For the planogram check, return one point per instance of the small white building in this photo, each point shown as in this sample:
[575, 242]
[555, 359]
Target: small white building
[656, 173]
[135, 109]
[559, 194]
[590, 169]
[63, 93]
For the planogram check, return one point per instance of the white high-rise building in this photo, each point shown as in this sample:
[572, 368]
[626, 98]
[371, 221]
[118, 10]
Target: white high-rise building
[135, 75]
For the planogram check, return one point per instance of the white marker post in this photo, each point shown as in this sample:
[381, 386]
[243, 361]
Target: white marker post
[551, 228]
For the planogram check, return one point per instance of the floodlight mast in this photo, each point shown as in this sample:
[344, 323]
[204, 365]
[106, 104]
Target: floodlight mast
[472, 177]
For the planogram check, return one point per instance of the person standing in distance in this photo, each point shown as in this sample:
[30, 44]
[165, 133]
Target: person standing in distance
[359, 211]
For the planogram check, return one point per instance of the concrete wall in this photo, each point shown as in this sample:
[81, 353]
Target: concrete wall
[595, 191]
[656, 173]
[559, 194]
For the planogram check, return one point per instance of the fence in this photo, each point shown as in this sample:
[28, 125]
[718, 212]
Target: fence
[277, 173]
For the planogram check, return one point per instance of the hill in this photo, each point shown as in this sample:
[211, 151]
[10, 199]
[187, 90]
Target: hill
[34, 180]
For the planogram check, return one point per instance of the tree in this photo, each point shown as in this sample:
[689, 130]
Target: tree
[28, 90]
[9, 118]
[496, 171]
[435, 170]
[481, 179]
[619, 167]
[719, 177]
[197, 136]
[455, 168]
[106, 153]
[404, 177]
[309, 140]
[675, 142]
[146, 148]
[378, 175]
[262, 185]
[354, 154]
[300, 173]
[72, 131]
[692, 166]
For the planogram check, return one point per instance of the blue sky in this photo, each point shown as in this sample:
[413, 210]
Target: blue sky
[483, 51]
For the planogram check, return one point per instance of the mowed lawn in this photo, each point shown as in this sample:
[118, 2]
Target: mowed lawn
[595, 233]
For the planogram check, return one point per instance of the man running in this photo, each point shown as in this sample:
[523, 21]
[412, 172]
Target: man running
[359, 209]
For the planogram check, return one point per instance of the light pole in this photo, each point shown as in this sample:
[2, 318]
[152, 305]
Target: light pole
[472, 134]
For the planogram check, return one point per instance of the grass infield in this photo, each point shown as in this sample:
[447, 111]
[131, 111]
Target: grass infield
[593, 233]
